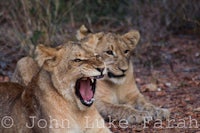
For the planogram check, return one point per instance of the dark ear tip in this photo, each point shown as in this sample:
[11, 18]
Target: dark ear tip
[39, 47]
[89, 31]
[82, 32]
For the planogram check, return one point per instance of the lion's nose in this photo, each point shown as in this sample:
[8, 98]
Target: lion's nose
[100, 70]
[123, 66]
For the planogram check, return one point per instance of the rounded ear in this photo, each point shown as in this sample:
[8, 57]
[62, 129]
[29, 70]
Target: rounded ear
[47, 57]
[91, 41]
[131, 38]
[82, 32]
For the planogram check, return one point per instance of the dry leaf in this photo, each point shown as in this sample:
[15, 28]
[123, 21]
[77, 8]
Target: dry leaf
[197, 109]
[149, 87]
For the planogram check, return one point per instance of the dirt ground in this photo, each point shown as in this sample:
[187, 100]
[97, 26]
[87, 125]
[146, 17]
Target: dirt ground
[167, 73]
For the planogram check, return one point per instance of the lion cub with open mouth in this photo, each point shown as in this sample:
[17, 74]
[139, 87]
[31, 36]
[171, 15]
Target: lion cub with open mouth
[117, 94]
[60, 96]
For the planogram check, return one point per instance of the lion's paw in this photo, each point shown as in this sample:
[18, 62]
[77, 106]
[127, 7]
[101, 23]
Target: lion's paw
[157, 112]
[138, 117]
[161, 114]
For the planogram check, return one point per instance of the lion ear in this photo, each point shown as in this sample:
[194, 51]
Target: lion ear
[47, 57]
[82, 32]
[92, 40]
[132, 38]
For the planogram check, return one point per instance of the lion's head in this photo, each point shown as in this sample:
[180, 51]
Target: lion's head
[73, 71]
[115, 50]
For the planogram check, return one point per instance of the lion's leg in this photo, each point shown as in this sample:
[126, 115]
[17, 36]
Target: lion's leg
[156, 112]
[121, 111]
[26, 68]
[136, 100]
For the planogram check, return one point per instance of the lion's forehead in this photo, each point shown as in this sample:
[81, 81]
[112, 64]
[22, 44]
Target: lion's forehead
[113, 42]
[78, 52]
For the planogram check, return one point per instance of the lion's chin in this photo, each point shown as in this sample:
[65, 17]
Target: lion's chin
[116, 79]
[85, 89]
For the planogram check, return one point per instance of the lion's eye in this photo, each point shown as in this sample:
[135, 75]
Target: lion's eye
[109, 52]
[126, 51]
[98, 56]
[77, 60]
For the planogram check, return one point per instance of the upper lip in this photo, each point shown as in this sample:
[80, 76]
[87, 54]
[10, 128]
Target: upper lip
[99, 76]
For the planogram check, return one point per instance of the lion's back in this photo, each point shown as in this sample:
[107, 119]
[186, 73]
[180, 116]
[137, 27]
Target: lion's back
[9, 92]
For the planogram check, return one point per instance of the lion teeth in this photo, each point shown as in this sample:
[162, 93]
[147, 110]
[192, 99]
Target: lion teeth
[92, 80]
[93, 99]
[89, 102]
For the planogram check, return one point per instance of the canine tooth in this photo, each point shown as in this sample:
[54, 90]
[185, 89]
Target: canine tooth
[92, 99]
[92, 80]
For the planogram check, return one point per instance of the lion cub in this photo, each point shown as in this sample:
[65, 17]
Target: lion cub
[59, 98]
[117, 94]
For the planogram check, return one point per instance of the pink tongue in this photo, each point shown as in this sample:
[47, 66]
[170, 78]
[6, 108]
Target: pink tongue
[86, 89]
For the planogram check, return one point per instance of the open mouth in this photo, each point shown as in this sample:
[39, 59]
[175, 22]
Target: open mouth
[111, 75]
[85, 89]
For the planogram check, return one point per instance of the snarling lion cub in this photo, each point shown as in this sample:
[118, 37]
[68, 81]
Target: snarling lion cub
[60, 96]
[117, 95]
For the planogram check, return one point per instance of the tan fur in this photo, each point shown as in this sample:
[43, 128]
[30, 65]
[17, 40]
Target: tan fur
[119, 97]
[50, 95]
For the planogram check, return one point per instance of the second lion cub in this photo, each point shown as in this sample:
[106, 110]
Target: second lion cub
[118, 95]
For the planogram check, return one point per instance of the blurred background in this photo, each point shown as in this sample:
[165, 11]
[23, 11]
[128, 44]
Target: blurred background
[166, 60]
[26, 23]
